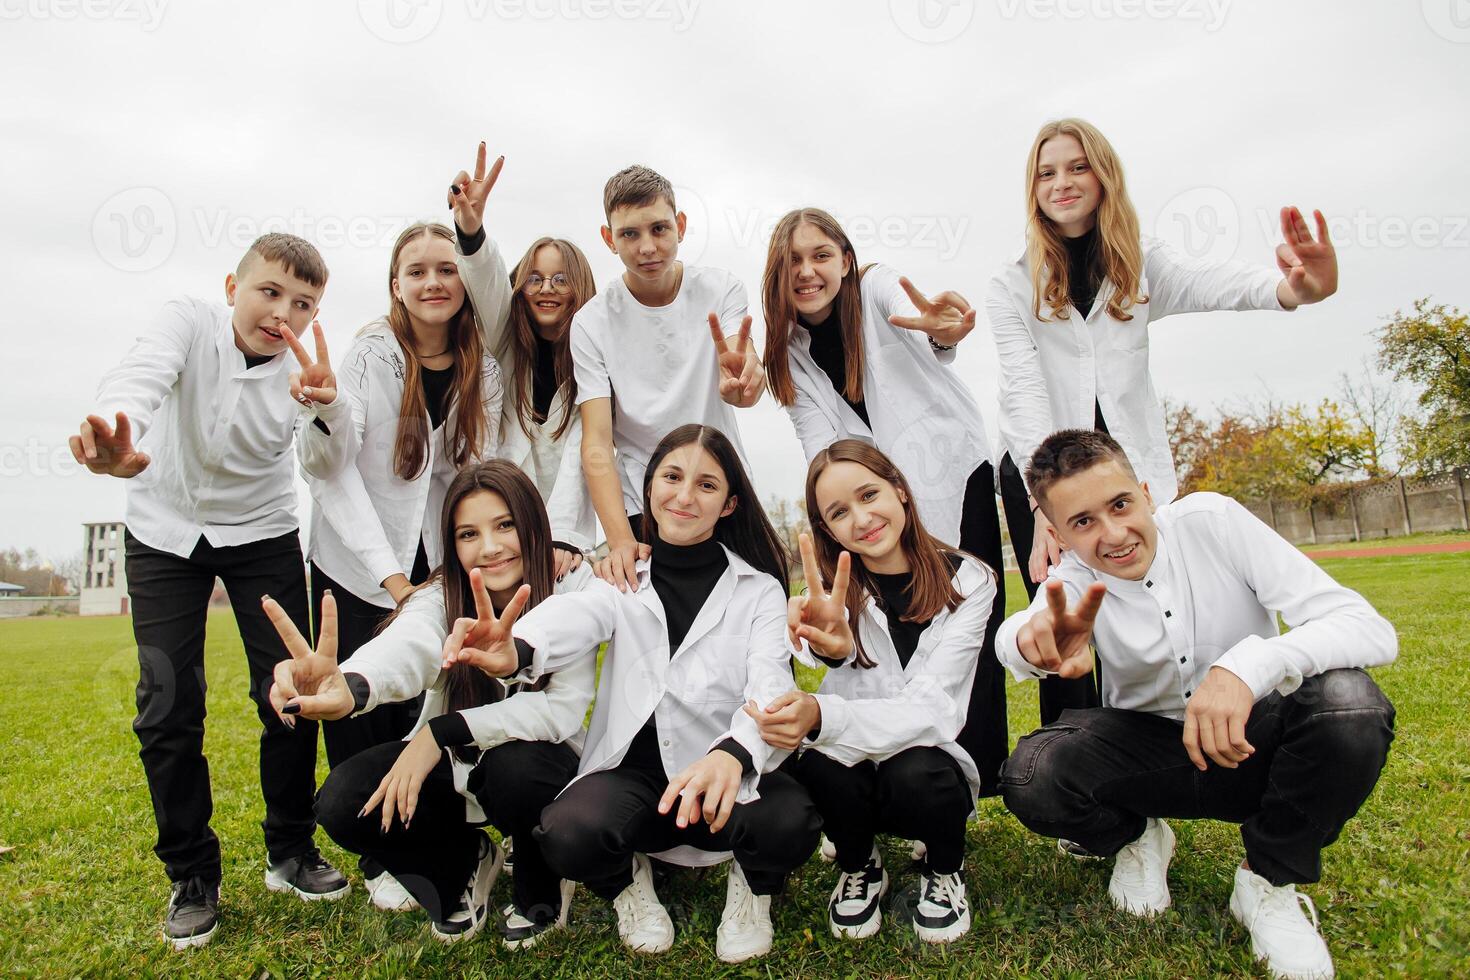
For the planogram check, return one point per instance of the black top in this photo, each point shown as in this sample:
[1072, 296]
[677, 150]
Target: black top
[436, 392]
[830, 355]
[543, 379]
[893, 599]
[1084, 275]
[256, 360]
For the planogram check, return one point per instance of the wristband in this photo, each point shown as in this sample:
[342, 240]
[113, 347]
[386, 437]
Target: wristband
[940, 348]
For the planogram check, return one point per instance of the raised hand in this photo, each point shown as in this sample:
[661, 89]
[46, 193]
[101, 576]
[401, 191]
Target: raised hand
[1056, 639]
[947, 318]
[485, 641]
[308, 685]
[108, 451]
[786, 720]
[741, 374]
[314, 383]
[820, 617]
[1309, 265]
[708, 788]
[467, 195]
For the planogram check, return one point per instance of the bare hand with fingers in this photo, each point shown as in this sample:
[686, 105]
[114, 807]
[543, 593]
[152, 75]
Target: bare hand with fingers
[741, 374]
[620, 566]
[947, 318]
[707, 788]
[398, 792]
[1215, 720]
[820, 617]
[102, 449]
[1310, 266]
[485, 641]
[314, 383]
[467, 194]
[1046, 552]
[787, 719]
[309, 684]
[1056, 639]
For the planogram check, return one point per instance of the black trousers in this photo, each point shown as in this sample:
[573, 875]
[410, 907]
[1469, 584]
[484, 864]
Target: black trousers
[1057, 693]
[986, 735]
[592, 830]
[170, 602]
[436, 854]
[1095, 775]
[919, 794]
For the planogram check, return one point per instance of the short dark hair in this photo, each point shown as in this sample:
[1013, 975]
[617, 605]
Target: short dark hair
[634, 187]
[298, 255]
[1069, 452]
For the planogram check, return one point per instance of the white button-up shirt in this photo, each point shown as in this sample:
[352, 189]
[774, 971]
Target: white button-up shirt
[1210, 599]
[1053, 373]
[219, 435]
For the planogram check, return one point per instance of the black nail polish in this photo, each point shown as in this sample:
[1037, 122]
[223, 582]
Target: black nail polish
[291, 709]
[454, 189]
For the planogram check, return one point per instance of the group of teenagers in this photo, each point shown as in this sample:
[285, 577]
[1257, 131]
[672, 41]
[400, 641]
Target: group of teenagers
[462, 457]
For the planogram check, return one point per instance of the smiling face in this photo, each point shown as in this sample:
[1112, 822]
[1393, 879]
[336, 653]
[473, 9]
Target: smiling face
[551, 308]
[268, 299]
[426, 280]
[688, 495]
[864, 513]
[1105, 516]
[646, 237]
[818, 266]
[485, 537]
[1067, 189]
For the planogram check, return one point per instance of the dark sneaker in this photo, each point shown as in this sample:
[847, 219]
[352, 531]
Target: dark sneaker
[521, 931]
[469, 915]
[308, 876]
[943, 913]
[853, 911]
[509, 846]
[1076, 851]
[193, 912]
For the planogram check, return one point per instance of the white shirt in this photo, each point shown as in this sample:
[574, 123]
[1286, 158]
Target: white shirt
[554, 465]
[367, 521]
[218, 435]
[658, 365]
[875, 713]
[405, 660]
[1210, 598]
[1054, 373]
[923, 416]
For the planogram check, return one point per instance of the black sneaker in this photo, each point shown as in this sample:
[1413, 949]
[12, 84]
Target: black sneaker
[1076, 851]
[469, 914]
[521, 931]
[854, 912]
[308, 876]
[942, 914]
[193, 912]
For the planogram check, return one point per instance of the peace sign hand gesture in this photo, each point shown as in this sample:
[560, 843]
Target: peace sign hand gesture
[467, 195]
[820, 617]
[104, 450]
[947, 318]
[1310, 266]
[741, 374]
[314, 383]
[1056, 639]
[486, 640]
[309, 683]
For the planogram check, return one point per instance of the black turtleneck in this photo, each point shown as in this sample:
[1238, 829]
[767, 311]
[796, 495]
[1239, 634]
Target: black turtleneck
[893, 599]
[543, 378]
[1084, 277]
[827, 350]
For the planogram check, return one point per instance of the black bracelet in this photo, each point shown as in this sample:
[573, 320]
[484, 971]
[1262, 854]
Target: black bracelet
[940, 348]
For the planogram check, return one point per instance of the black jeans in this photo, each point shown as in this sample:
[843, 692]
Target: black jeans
[436, 854]
[919, 794]
[986, 735]
[1057, 693]
[1095, 775]
[591, 832]
[170, 602]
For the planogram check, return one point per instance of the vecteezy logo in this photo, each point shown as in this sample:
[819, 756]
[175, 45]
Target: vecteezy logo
[697, 226]
[400, 21]
[135, 230]
[1203, 222]
[932, 21]
[1450, 19]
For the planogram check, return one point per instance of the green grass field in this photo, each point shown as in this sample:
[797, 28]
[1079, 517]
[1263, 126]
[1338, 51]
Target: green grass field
[83, 895]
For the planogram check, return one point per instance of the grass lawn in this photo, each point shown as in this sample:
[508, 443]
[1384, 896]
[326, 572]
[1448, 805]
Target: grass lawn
[82, 894]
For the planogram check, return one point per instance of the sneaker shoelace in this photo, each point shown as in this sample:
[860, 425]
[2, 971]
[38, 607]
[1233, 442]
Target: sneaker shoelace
[194, 892]
[744, 911]
[1286, 903]
[1136, 861]
[939, 889]
[854, 884]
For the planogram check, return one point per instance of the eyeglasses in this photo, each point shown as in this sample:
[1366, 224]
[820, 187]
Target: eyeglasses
[559, 283]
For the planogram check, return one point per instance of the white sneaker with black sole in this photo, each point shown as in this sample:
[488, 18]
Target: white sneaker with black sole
[1281, 934]
[469, 916]
[855, 909]
[388, 893]
[643, 923]
[518, 931]
[309, 877]
[1140, 882]
[745, 927]
[942, 913]
[193, 913]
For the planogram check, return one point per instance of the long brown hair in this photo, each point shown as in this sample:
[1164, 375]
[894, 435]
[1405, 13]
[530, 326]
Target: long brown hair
[521, 333]
[931, 586]
[410, 446]
[780, 309]
[1119, 255]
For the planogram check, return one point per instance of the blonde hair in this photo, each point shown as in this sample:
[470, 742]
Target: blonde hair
[1120, 256]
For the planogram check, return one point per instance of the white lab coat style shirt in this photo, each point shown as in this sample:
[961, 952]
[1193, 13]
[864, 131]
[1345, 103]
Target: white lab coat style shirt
[657, 364]
[554, 465]
[923, 416]
[367, 521]
[1052, 373]
[873, 714]
[1210, 599]
[405, 660]
[219, 435]
[735, 651]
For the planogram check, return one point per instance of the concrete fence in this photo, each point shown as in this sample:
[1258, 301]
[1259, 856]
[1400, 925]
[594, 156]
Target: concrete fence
[1380, 509]
[38, 605]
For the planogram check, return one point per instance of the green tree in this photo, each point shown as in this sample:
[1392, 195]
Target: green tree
[1431, 349]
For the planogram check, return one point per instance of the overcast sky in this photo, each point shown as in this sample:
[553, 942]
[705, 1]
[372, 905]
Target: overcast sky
[147, 142]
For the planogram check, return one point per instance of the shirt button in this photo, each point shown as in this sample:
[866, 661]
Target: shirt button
[666, 743]
[1149, 584]
[1183, 660]
[1167, 614]
[1188, 693]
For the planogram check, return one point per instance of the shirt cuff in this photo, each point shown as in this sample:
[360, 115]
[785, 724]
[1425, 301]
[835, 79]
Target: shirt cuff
[451, 730]
[747, 764]
[361, 690]
[469, 244]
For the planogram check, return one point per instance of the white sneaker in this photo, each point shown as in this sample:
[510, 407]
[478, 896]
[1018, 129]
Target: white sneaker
[1280, 934]
[745, 927]
[828, 850]
[942, 914]
[520, 932]
[855, 909]
[389, 894]
[474, 905]
[1140, 883]
[643, 923]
